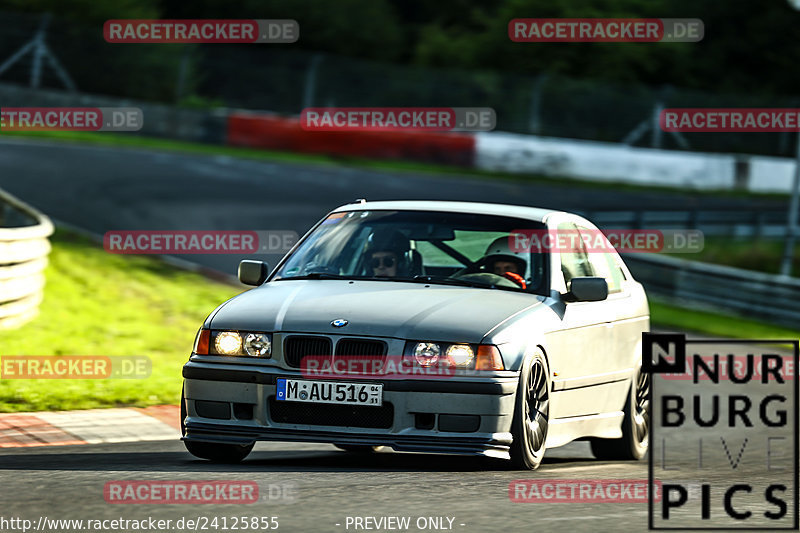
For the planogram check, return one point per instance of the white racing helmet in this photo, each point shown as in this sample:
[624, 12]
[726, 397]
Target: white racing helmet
[500, 250]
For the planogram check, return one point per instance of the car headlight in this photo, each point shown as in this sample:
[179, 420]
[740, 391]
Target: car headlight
[233, 343]
[258, 345]
[460, 355]
[427, 353]
[228, 343]
[479, 357]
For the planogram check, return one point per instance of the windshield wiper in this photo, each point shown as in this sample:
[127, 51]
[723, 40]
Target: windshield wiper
[438, 280]
[444, 280]
[317, 275]
[462, 282]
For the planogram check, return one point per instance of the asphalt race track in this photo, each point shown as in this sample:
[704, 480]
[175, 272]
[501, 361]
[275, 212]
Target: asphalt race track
[104, 189]
[67, 482]
[327, 485]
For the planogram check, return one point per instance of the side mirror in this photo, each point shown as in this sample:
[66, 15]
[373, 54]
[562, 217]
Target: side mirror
[587, 289]
[253, 272]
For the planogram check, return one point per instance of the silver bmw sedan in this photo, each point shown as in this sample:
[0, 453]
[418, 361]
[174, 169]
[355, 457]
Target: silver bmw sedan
[427, 326]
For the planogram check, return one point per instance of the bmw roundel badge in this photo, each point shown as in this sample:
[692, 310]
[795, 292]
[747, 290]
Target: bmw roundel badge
[339, 323]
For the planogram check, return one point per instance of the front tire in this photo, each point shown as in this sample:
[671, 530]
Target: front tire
[531, 413]
[359, 448]
[219, 453]
[212, 451]
[635, 439]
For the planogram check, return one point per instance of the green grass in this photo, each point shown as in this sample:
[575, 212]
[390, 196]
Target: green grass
[103, 304]
[716, 324]
[126, 140]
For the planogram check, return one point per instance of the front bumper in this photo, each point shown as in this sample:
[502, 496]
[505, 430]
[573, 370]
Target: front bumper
[463, 416]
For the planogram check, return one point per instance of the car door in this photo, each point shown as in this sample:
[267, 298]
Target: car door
[627, 319]
[581, 344]
[617, 305]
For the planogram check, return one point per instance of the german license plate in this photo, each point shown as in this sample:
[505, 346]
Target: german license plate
[301, 390]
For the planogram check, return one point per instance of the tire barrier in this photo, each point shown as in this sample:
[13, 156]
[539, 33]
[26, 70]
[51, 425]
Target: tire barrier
[23, 257]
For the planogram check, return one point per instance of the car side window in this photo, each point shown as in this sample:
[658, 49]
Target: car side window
[574, 263]
[617, 275]
[604, 265]
[616, 263]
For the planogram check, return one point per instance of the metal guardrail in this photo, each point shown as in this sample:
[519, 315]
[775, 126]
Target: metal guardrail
[748, 293]
[23, 256]
[729, 223]
[751, 294]
[24, 248]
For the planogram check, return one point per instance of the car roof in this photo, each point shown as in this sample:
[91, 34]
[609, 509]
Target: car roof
[516, 211]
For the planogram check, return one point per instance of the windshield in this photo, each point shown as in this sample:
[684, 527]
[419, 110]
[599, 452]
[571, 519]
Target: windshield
[420, 246]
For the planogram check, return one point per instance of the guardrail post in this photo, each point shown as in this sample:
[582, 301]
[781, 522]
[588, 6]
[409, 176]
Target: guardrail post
[638, 220]
[791, 224]
[761, 224]
[694, 219]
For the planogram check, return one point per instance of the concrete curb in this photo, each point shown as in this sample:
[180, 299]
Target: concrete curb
[91, 426]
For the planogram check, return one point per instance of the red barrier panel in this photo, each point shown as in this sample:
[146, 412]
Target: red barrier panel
[278, 133]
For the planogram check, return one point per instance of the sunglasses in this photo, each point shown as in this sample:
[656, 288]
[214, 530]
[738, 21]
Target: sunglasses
[385, 262]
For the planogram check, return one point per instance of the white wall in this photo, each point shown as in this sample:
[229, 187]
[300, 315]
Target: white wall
[615, 162]
[771, 174]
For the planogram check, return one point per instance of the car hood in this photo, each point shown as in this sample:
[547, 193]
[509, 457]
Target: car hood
[372, 308]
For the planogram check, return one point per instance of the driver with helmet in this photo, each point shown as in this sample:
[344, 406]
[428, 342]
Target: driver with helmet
[501, 260]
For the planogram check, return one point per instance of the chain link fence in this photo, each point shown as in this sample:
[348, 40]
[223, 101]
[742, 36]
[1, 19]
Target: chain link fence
[284, 80]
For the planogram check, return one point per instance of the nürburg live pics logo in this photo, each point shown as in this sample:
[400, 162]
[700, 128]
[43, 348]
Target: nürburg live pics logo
[724, 435]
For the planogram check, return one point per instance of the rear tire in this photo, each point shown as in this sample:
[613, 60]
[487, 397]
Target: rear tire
[635, 439]
[212, 451]
[531, 414]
